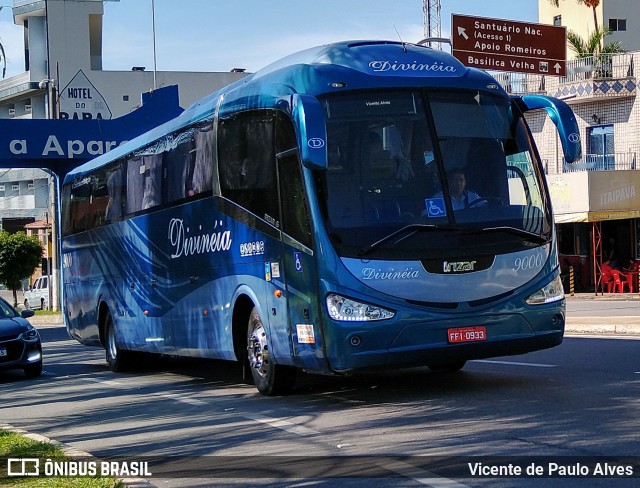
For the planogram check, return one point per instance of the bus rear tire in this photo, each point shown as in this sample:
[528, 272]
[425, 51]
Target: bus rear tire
[117, 359]
[270, 378]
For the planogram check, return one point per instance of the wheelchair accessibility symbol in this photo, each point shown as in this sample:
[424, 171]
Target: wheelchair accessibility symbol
[297, 258]
[435, 207]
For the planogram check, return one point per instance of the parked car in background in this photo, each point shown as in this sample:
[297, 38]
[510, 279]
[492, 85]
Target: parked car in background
[38, 294]
[20, 345]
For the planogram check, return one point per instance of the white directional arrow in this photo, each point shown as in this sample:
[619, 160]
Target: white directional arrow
[461, 32]
[557, 67]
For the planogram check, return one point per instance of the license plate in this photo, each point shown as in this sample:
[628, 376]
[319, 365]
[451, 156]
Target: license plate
[467, 334]
[3, 351]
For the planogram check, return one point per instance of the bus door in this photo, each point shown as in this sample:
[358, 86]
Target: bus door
[299, 265]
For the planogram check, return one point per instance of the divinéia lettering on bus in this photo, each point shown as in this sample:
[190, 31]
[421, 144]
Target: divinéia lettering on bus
[379, 66]
[378, 274]
[184, 244]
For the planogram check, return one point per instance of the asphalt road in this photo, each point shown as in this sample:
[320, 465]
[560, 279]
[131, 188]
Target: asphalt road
[577, 400]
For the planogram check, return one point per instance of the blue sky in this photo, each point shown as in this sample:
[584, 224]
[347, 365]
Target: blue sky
[218, 35]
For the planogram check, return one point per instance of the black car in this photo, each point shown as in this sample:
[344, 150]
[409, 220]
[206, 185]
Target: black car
[20, 346]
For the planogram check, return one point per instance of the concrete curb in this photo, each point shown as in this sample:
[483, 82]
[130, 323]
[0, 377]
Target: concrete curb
[40, 320]
[72, 452]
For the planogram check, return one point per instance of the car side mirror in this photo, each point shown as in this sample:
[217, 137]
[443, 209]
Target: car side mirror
[25, 314]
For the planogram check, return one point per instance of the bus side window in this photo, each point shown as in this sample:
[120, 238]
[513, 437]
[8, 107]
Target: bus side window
[296, 220]
[247, 163]
[135, 184]
[115, 187]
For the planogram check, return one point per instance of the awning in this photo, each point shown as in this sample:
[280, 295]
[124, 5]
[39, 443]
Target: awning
[594, 196]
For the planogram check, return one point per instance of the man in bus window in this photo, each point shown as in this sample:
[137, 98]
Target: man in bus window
[461, 198]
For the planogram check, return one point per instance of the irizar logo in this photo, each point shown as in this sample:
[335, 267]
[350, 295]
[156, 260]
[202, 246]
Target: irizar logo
[458, 266]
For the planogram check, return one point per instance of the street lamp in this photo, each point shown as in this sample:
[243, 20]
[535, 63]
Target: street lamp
[3, 55]
[49, 85]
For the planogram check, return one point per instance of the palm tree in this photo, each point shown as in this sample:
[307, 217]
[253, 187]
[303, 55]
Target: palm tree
[595, 47]
[593, 4]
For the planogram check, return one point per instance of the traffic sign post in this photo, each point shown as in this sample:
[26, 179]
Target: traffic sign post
[505, 45]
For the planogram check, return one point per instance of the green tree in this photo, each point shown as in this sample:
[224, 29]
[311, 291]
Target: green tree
[594, 45]
[20, 255]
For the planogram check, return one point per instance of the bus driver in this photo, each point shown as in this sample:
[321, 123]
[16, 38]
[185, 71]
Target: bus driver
[461, 198]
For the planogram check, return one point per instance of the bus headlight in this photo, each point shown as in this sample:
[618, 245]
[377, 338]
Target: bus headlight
[552, 292]
[348, 310]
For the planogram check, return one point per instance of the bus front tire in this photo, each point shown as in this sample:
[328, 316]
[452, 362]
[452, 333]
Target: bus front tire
[117, 359]
[270, 378]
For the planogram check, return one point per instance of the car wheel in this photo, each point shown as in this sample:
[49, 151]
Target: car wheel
[33, 370]
[269, 378]
[26, 303]
[42, 304]
[117, 359]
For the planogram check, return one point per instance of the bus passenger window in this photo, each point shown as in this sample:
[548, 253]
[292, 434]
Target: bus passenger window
[152, 180]
[135, 184]
[202, 175]
[247, 165]
[115, 186]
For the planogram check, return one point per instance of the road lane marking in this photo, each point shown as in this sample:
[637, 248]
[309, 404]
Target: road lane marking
[181, 398]
[283, 425]
[171, 396]
[514, 363]
[421, 476]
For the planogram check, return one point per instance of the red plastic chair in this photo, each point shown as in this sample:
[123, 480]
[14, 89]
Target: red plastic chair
[606, 281]
[618, 283]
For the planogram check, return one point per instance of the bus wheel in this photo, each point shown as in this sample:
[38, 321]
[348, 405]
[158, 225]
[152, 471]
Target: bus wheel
[269, 378]
[448, 367]
[117, 359]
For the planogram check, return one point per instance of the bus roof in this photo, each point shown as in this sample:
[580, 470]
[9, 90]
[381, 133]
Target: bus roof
[347, 65]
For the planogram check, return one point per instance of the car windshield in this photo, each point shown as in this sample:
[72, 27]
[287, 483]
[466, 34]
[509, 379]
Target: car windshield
[6, 311]
[454, 168]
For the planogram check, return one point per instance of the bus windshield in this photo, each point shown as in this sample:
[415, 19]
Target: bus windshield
[416, 173]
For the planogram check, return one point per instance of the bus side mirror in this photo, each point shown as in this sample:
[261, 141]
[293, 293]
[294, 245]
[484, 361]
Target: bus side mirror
[562, 116]
[308, 118]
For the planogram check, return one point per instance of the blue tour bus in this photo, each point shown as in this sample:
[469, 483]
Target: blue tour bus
[300, 219]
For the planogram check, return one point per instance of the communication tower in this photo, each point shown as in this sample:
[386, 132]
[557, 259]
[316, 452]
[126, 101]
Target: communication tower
[431, 14]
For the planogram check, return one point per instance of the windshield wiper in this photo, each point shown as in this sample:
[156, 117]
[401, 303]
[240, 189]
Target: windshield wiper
[409, 230]
[531, 236]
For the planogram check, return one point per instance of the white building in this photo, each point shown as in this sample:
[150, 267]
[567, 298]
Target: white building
[63, 78]
[621, 17]
[597, 200]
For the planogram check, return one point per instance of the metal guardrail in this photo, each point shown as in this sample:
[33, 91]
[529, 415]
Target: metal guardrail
[521, 83]
[603, 162]
[601, 67]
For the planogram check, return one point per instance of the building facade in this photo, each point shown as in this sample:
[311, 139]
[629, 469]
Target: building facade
[621, 17]
[64, 79]
[596, 201]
